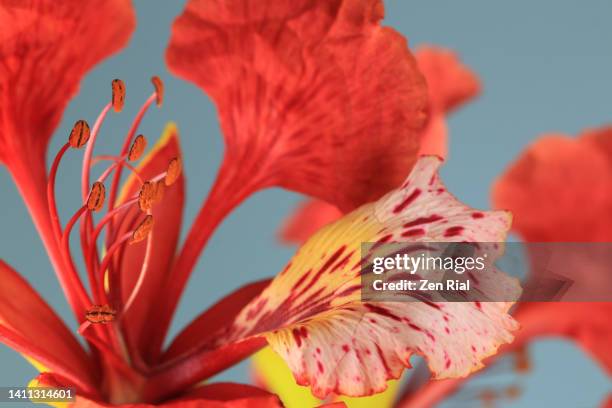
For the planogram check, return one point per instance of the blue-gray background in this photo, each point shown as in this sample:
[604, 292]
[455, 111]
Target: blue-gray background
[546, 66]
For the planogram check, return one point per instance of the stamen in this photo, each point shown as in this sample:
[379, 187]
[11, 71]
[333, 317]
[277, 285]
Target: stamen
[91, 259]
[151, 192]
[55, 221]
[106, 261]
[124, 150]
[95, 201]
[141, 276]
[118, 99]
[118, 162]
[137, 235]
[100, 314]
[86, 223]
[141, 232]
[79, 135]
[65, 247]
[174, 171]
[138, 147]
[159, 90]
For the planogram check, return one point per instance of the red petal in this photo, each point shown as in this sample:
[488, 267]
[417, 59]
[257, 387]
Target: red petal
[205, 326]
[46, 47]
[313, 314]
[204, 363]
[168, 217]
[216, 395]
[315, 304]
[547, 186]
[313, 96]
[227, 392]
[308, 218]
[450, 84]
[25, 319]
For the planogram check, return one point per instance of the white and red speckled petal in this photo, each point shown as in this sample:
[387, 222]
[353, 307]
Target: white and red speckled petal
[313, 316]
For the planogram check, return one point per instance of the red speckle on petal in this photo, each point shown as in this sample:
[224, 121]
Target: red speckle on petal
[401, 206]
[423, 220]
[297, 336]
[382, 311]
[301, 280]
[477, 215]
[342, 262]
[382, 359]
[320, 367]
[381, 241]
[415, 232]
[453, 231]
[345, 348]
[286, 268]
[333, 258]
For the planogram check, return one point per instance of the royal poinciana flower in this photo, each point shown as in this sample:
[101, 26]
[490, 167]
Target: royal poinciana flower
[303, 314]
[546, 189]
[297, 111]
[450, 84]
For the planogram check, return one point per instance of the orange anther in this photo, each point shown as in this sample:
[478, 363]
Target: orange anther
[159, 191]
[137, 148]
[100, 314]
[146, 197]
[174, 171]
[79, 135]
[118, 99]
[95, 201]
[159, 90]
[143, 230]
